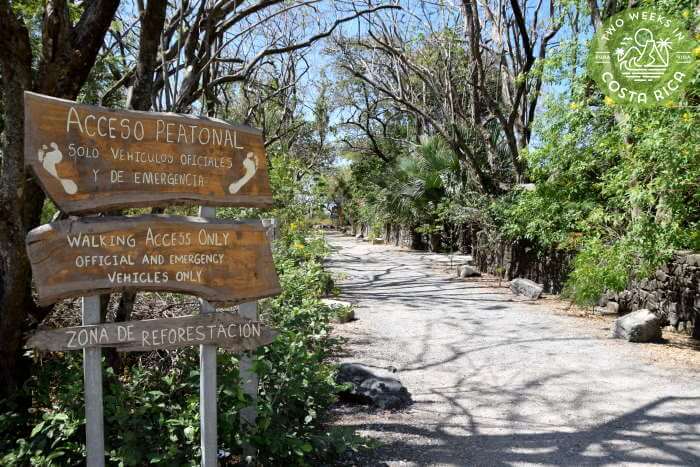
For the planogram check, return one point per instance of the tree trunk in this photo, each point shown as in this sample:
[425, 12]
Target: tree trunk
[434, 242]
[15, 299]
[416, 239]
[67, 56]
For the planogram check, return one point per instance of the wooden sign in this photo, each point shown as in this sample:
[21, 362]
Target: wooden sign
[220, 261]
[93, 159]
[226, 330]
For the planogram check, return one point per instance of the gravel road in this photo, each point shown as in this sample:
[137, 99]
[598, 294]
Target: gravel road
[499, 381]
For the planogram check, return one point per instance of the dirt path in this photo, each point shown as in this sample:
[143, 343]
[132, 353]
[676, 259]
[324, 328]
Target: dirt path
[500, 382]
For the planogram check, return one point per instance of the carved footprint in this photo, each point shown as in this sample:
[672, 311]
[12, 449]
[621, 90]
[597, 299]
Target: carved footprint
[250, 164]
[50, 160]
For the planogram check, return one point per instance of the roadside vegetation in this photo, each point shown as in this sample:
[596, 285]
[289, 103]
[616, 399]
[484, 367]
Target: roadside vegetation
[615, 186]
[151, 400]
[442, 117]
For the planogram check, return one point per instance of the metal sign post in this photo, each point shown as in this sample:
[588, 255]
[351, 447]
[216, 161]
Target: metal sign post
[92, 372]
[249, 381]
[207, 384]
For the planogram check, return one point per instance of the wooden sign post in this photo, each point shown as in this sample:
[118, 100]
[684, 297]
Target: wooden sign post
[230, 331]
[90, 159]
[222, 261]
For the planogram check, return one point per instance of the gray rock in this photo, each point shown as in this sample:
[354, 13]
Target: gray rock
[526, 287]
[693, 260]
[639, 326]
[613, 308]
[367, 387]
[468, 271]
[673, 318]
[610, 309]
[359, 236]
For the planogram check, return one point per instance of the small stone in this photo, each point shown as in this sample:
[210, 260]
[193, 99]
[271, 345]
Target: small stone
[661, 276]
[526, 287]
[681, 254]
[610, 309]
[673, 319]
[367, 387]
[693, 260]
[639, 326]
[468, 271]
[613, 308]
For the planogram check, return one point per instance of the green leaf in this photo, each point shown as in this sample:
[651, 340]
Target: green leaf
[37, 429]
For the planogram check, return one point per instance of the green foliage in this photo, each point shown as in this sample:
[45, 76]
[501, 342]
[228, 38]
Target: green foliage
[616, 186]
[152, 409]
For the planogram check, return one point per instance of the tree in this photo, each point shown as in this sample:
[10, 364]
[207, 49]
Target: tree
[183, 61]
[63, 59]
[471, 74]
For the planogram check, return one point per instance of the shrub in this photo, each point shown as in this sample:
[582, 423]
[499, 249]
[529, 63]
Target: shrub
[152, 409]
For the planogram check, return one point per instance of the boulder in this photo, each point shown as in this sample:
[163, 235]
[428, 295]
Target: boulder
[639, 326]
[526, 287]
[468, 271]
[367, 387]
[359, 236]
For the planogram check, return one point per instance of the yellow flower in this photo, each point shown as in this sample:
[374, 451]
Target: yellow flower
[670, 104]
[685, 13]
[573, 105]
[696, 51]
[687, 117]
[293, 226]
[608, 101]
[298, 246]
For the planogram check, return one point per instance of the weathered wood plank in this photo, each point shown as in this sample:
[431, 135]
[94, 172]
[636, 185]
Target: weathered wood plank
[220, 261]
[223, 329]
[93, 159]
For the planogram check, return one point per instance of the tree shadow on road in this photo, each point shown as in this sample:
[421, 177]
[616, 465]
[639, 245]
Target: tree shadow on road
[640, 436]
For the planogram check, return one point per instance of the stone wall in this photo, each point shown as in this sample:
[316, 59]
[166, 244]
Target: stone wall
[400, 235]
[392, 234]
[673, 294]
[406, 237]
[521, 258]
